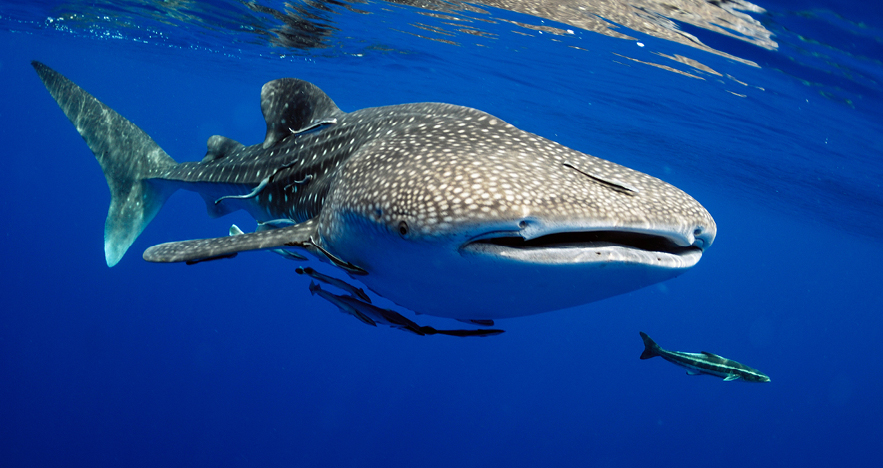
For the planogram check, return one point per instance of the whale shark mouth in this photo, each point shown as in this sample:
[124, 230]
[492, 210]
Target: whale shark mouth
[584, 247]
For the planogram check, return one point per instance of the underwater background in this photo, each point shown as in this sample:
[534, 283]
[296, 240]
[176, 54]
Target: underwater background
[768, 113]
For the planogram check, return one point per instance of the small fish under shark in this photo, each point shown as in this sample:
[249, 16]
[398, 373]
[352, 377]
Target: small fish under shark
[703, 363]
[442, 209]
[373, 315]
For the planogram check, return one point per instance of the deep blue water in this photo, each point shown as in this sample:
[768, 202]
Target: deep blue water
[233, 363]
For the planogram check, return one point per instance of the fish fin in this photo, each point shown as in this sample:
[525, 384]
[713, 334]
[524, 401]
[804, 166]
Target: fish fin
[693, 372]
[292, 106]
[127, 155]
[209, 259]
[416, 329]
[364, 318]
[342, 305]
[361, 294]
[731, 377]
[220, 247]
[711, 357]
[275, 224]
[462, 333]
[218, 147]
[289, 255]
[651, 349]
[286, 254]
[479, 322]
[336, 282]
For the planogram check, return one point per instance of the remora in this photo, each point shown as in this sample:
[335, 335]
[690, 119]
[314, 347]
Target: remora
[703, 363]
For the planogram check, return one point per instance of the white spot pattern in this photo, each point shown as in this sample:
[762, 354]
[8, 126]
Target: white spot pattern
[440, 168]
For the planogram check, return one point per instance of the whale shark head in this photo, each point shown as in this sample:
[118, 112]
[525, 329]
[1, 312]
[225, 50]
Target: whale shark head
[469, 216]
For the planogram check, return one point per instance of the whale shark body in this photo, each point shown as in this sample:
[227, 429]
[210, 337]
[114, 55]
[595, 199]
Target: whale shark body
[442, 209]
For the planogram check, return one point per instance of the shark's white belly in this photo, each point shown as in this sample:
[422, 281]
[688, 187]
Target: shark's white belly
[468, 285]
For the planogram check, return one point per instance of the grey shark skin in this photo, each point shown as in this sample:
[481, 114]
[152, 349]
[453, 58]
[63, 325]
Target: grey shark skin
[442, 209]
[703, 363]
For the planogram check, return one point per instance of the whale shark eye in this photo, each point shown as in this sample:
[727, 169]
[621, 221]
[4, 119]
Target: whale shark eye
[403, 228]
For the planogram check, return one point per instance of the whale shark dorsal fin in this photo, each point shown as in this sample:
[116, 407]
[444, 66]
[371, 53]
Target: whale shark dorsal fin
[195, 251]
[291, 106]
[219, 147]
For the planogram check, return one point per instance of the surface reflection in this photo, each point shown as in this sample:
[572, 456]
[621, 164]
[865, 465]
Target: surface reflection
[311, 24]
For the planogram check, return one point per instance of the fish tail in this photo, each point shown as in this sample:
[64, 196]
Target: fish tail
[651, 349]
[314, 288]
[128, 157]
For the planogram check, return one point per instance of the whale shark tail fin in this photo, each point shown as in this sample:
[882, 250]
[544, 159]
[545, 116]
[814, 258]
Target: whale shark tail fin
[651, 349]
[128, 157]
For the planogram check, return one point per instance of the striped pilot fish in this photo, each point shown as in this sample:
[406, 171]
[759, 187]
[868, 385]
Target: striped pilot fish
[703, 363]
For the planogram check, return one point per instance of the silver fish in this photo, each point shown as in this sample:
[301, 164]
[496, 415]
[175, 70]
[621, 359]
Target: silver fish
[373, 315]
[703, 363]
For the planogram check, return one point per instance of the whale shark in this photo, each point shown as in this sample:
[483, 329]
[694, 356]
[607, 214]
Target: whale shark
[440, 209]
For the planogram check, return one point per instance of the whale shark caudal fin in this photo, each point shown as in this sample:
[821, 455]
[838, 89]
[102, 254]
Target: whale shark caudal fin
[128, 157]
[651, 349]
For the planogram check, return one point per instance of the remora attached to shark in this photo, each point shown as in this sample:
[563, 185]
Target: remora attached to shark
[444, 210]
[703, 363]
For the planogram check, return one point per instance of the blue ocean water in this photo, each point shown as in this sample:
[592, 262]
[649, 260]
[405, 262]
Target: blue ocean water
[774, 126]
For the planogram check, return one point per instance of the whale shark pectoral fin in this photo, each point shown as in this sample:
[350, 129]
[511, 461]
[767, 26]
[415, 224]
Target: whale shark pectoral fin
[194, 251]
[286, 254]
